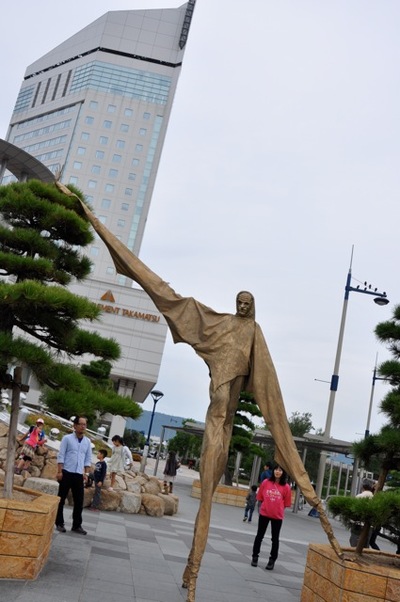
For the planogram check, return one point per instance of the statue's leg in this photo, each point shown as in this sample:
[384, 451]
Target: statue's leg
[214, 456]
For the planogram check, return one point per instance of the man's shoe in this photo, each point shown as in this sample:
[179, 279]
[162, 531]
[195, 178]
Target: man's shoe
[254, 561]
[270, 565]
[61, 529]
[79, 530]
[245, 519]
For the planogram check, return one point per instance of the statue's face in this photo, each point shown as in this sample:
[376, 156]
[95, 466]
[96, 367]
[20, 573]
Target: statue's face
[244, 305]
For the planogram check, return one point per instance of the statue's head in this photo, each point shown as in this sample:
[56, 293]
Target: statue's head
[245, 305]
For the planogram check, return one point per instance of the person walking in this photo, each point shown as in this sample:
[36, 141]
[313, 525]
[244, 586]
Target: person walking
[250, 503]
[275, 495]
[74, 458]
[171, 466]
[99, 476]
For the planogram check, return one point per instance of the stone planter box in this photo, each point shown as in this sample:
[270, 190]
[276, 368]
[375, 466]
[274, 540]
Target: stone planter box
[26, 530]
[224, 494]
[373, 577]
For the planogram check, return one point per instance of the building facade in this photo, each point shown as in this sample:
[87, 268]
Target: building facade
[95, 109]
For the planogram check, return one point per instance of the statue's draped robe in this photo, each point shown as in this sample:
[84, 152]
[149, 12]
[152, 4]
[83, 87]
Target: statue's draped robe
[231, 346]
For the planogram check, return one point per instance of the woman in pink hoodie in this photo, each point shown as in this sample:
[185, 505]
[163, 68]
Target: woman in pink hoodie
[275, 495]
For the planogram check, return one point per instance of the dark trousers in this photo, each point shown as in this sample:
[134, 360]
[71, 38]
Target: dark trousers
[97, 496]
[276, 525]
[248, 512]
[71, 481]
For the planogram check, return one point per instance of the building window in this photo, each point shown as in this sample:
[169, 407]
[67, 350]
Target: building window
[89, 198]
[81, 150]
[93, 104]
[103, 140]
[142, 132]
[116, 158]
[99, 154]
[113, 173]
[125, 206]
[146, 115]
[102, 219]
[109, 187]
[92, 183]
[85, 136]
[107, 124]
[110, 270]
[120, 144]
[128, 191]
[128, 112]
[95, 169]
[89, 120]
[120, 223]
[73, 180]
[132, 176]
[111, 109]
[139, 148]
[94, 251]
[135, 162]
[124, 127]
[105, 203]
[77, 164]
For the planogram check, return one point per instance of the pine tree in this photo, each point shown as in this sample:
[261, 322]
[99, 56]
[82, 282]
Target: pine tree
[41, 236]
[383, 509]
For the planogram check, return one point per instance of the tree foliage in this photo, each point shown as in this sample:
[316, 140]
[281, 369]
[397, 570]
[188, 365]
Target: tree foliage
[41, 236]
[384, 508]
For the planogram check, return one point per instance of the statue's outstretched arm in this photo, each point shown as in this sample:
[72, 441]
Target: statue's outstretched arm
[127, 264]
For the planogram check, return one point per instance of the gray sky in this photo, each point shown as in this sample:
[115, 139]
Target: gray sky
[282, 152]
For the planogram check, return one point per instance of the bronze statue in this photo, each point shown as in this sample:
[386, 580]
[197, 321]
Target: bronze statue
[238, 359]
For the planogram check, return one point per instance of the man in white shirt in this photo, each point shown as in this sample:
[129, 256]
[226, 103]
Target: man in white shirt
[73, 460]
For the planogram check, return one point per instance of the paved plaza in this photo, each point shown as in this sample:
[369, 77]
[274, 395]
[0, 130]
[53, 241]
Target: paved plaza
[138, 558]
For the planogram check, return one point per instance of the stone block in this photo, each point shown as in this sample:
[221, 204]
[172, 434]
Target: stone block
[130, 502]
[152, 486]
[48, 486]
[153, 505]
[133, 486]
[170, 504]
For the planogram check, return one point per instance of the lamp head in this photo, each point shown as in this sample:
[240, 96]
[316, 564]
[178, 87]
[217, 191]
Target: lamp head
[381, 301]
[156, 395]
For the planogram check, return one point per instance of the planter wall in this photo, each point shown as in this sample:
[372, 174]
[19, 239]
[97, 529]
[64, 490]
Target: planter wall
[26, 530]
[224, 494]
[329, 579]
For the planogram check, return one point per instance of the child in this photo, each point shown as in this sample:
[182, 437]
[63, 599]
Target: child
[117, 461]
[99, 476]
[33, 438]
[171, 466]
[250, 503]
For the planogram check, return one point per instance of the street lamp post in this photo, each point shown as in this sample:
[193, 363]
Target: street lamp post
[379, 299]
[355, 481]
[371, 399]
[156, 395]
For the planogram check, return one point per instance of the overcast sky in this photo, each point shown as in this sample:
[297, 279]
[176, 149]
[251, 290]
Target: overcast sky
[282, 152]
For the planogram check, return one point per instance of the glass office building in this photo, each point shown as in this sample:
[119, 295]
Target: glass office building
[96, 110]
